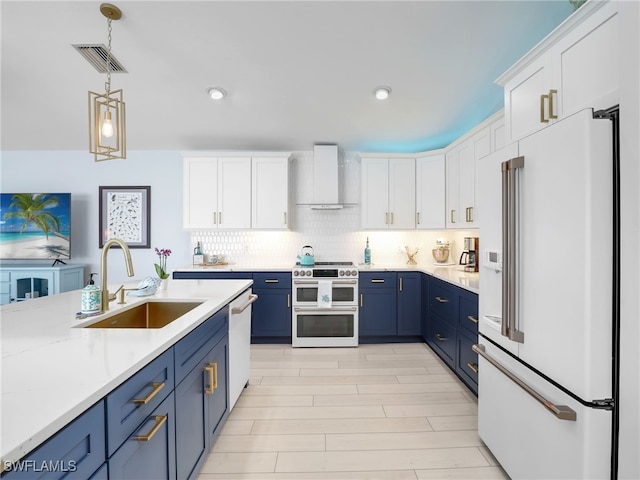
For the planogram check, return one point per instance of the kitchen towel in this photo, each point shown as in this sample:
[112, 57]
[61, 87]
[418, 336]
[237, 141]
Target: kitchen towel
[324, 293]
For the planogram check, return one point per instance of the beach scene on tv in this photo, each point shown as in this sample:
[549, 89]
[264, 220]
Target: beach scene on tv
[35, 226]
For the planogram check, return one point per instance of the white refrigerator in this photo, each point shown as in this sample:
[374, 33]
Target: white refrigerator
[549, 295]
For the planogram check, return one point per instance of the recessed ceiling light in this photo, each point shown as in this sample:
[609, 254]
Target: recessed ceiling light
[382, 92]
[216, 93]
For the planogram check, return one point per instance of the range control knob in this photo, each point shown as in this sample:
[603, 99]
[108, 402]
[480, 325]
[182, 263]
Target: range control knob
[308, 273]
[295, 273]
[341, 273]
[354, 273]
[348, 273]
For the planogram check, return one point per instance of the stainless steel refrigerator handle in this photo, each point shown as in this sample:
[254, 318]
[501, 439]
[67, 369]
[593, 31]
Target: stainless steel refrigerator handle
[561, 412]
[252, 298]
[509, 246]
[506, 255]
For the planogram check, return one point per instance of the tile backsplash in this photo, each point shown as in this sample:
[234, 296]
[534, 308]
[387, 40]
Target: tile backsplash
[335, 235]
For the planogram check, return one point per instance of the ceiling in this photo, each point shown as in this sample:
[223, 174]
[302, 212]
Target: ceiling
[297, 73]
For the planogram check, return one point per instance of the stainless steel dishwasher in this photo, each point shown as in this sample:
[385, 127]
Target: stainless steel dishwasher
[239, 344]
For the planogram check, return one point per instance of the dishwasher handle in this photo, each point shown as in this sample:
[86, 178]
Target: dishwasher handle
[252, 298]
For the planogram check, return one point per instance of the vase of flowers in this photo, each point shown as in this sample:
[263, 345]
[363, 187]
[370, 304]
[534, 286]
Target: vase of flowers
[161, 266]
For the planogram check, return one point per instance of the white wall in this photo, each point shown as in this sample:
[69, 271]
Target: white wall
[76, 172]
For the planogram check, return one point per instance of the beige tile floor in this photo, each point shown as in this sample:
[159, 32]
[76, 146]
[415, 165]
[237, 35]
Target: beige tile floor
[388, 411]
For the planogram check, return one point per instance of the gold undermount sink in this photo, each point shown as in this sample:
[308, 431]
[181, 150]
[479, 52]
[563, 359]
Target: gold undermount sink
[146, 315]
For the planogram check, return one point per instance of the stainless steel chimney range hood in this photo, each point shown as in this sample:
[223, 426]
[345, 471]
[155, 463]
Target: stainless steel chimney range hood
[326, 178]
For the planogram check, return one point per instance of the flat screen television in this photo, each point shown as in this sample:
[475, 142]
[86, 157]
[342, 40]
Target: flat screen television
[35, 226]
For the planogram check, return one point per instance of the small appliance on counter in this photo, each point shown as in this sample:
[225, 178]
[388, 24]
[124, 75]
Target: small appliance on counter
[306, 257]
[441, 253]
[469, 256]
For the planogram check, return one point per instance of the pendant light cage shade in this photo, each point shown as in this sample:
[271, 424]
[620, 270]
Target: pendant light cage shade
[107, 126]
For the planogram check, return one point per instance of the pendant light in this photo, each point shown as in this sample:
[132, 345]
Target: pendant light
[107, 134]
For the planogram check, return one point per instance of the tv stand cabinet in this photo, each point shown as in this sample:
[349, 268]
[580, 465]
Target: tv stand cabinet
[19, 282]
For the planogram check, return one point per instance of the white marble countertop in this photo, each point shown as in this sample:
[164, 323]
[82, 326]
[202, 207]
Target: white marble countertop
[53, 371]
[453, 274]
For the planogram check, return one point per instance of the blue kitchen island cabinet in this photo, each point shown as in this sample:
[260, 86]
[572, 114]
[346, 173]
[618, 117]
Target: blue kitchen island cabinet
[271, 314]
[409, 304]
[201, 399]
[149, 452]
[76, 451]
[378, 308]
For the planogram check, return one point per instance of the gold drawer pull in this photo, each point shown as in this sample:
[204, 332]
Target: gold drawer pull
[212, 368]
[472, 318]
[157, 386]
[160, 419]
[473, 367]
[362, 299]
[271, 281]
[441, 338]
[375, 280]
[442, 300]
[452, 220]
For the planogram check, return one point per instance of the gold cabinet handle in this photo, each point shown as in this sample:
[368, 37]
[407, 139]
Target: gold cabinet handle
[212, 369]
[551, 112]
[215, 218]
[417, 218]
[386, 218]
[157, 386]
[391, 218]
[440, 337]
[473, 367]
[542, 117]
[377, 280]
[361, 299]
[400, 283]
[288, 300]
[160, 419]
[271, 281]
[220, 218]
[472, 318]
[451, 216]
[441, 300]
[285, 218]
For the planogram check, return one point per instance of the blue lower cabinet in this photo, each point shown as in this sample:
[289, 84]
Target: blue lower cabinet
[409, 303]
[216, 391]
[191, 416]
[102, 473]
[76, 451]
[467, 361]
[150, 452]
[378, 315]
[271, 314]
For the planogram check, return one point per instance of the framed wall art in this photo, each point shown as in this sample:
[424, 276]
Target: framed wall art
[125, 213]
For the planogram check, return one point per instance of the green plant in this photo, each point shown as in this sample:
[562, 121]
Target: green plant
[161, 266]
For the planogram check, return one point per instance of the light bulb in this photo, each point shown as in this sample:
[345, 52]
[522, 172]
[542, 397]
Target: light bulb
[216, 93]
[382, 92]
[107, 125]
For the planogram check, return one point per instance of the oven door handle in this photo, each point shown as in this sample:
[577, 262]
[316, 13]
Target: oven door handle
[315, 282]
[334, 310]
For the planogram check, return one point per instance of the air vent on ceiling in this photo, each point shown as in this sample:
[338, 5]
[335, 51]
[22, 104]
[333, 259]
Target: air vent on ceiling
[96, 55]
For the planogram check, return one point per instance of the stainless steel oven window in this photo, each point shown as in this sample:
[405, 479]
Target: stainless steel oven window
[339, 294]
[325, 325]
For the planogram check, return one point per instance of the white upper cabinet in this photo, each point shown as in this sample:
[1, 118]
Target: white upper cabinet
[574, 67]
[430, 192]
[217, 192]
[461, 178]
[270, 187]
[235, 191]
[388, 193]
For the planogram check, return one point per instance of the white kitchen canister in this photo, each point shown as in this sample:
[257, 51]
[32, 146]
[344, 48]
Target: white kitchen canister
[91, 300]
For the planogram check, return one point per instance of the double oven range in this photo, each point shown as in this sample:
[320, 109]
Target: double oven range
[325, 305]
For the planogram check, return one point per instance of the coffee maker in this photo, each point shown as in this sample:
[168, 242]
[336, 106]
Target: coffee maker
[469, 257]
